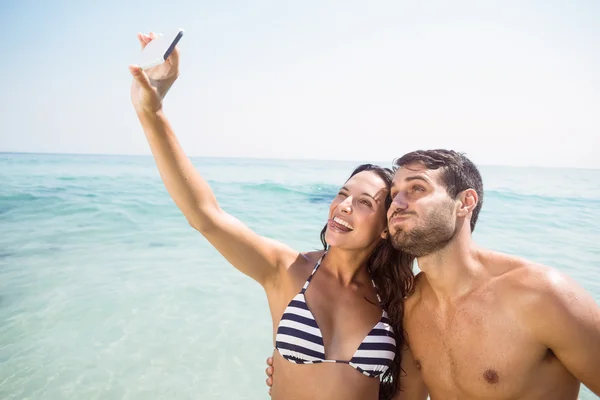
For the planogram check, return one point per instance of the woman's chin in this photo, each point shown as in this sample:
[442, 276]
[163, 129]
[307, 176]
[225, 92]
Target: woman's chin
[338, 239]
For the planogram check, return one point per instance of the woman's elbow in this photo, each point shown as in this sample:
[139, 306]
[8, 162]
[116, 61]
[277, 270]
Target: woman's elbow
[203, 222]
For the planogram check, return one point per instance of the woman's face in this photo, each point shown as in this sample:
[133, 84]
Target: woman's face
[357, 215]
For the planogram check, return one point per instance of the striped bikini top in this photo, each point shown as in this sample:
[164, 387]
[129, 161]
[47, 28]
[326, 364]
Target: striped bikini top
[300, 341]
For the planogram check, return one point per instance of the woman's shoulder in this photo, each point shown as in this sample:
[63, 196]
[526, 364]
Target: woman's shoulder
[312, 257]
[302, 264]
[297, 269]
[303, 260]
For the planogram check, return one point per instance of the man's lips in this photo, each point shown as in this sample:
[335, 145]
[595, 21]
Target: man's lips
[399, 218]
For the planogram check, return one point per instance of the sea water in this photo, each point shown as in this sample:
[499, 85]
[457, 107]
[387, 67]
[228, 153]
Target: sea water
[106, 292]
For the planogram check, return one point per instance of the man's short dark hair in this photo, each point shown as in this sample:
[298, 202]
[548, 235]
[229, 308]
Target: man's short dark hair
[458, 172]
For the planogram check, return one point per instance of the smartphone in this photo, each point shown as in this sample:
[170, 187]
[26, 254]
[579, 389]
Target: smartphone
[159, 49]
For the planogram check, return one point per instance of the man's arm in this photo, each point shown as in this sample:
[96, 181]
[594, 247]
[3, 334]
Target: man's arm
[566, 319]
[412, 386]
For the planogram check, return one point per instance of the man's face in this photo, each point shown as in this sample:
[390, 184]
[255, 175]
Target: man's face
[422, 217]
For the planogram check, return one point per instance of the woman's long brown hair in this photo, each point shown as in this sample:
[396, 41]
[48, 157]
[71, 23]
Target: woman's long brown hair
[392, 273]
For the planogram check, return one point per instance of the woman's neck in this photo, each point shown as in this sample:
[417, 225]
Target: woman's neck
[347, 266]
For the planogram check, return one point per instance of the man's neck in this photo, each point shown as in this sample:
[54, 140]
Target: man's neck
[455, 270]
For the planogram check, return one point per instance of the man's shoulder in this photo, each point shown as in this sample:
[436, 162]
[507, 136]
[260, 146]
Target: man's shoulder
[529, 286]
[557, 312]
[528, 276]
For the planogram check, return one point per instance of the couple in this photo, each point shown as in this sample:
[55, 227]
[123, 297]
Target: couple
[473, 324]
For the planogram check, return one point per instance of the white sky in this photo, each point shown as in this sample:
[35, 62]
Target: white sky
[510, 83]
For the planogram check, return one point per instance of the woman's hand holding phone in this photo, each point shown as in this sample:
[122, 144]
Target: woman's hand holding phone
[157, 72]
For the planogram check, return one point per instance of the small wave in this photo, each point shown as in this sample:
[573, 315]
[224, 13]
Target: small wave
[509, 195]
[19, 197]
[271, 187]
[315, 193]
[321, 198]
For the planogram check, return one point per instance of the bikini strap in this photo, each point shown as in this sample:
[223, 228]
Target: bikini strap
[376, 291]
[312, 274]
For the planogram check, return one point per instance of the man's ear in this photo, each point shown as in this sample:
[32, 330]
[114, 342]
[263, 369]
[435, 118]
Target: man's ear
[468, 201]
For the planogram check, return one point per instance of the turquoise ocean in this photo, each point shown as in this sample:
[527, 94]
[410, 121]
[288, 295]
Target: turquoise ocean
[107, 293]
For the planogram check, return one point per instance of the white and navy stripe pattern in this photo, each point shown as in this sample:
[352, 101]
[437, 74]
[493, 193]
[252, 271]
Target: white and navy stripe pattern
[300, 341]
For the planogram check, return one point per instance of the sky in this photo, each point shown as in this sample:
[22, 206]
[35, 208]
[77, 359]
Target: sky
[508, 83]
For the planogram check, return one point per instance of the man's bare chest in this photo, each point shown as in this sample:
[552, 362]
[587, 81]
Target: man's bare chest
[473, 351]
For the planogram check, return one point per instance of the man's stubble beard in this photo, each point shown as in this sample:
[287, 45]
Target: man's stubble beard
[438, 229]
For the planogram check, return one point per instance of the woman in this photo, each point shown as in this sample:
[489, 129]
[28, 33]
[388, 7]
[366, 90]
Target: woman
[325, 306]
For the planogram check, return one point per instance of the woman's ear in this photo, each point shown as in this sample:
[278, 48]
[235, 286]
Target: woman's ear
[384, 234]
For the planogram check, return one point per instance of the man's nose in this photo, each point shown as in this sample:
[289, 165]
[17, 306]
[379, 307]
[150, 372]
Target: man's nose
[398, 203]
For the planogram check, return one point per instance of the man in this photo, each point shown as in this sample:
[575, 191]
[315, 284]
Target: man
[481, 324]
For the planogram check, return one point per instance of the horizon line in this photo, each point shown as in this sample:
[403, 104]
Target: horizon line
[85, 154]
